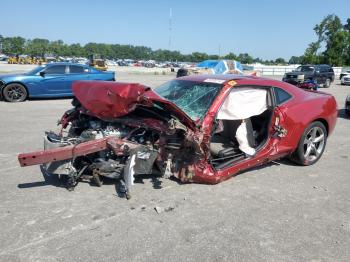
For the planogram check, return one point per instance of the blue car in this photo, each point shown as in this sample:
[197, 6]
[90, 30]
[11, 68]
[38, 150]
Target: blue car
[50, 80]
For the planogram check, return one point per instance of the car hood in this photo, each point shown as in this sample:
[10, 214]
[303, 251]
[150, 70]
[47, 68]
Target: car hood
[107, 100]
[6, 76]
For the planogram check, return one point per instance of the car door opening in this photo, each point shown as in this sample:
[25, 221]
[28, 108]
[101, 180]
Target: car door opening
[241, 126]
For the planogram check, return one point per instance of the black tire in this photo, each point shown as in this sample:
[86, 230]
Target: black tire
[327, 83]
[14, 92]
[182, 72]
[311, 145]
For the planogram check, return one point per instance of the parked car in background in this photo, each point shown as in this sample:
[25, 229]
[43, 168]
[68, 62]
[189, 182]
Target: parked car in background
[345, 77]
[3, 57]
[50, 80]
[345, 71]
[322, 74]
[347, 105]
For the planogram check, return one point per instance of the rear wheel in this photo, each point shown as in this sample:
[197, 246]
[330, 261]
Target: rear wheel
[14, 93]
[327, 83]
[311, 145]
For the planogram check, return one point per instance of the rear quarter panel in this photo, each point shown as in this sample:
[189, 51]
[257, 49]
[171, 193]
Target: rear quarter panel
[105, 76]
[306, 108]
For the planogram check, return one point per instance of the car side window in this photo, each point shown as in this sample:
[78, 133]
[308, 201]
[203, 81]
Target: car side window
[281, 95]
[74, 69]
[328, 69]
[55, 70]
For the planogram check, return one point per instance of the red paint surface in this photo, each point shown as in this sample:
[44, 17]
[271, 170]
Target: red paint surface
[106, 100]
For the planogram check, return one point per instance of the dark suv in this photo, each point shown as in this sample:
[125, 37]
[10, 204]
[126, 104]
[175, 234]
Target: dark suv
[322, 74]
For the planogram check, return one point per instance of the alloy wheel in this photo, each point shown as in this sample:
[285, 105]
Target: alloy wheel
[314, 143]
[328, 83]
[15, 93]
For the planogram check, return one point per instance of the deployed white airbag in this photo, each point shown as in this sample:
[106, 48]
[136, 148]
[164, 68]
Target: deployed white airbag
[242, 139]
[243, 103]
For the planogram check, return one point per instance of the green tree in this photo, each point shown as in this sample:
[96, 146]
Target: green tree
[57, 48]
[13, 45]
[37, 47]
[280, 61]
[245, 58]
[295, 60]
[230, 56]
[197, 57]
[335, 37]
[337, 50]
[310, 56]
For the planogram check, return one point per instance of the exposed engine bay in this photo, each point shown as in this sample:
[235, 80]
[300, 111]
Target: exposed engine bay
[145, 141]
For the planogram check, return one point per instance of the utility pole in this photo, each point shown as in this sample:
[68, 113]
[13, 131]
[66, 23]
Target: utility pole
[1, 38]
[219, 51]
[170, 25]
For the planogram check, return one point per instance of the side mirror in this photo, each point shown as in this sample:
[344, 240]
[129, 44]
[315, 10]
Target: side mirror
[42, 73]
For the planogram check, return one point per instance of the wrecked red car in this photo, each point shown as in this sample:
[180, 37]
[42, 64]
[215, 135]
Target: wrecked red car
[200, 128]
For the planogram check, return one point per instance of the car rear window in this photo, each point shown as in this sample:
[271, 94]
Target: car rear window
[305, 69]
[281, 95]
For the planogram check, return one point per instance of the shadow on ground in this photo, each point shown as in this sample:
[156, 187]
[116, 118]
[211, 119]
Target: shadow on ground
[49, 180]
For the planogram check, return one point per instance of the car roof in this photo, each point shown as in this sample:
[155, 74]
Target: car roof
[65, 63]
[226, 77]
[243, 80]
[313, 65]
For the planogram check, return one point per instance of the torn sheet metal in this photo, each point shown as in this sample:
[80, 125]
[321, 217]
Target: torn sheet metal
[129, 171]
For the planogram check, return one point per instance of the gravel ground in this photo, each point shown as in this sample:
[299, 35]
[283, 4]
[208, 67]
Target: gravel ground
[279, 212]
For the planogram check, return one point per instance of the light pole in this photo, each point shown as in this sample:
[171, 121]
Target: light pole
[170, 26]
[1, 38]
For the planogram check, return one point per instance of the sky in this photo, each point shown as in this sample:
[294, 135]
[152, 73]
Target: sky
[263, 28]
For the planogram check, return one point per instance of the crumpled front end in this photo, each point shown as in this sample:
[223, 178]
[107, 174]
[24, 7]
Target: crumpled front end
[118, 140]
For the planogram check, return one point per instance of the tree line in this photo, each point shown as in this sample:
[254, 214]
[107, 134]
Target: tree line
[331, 47]
[40, 47]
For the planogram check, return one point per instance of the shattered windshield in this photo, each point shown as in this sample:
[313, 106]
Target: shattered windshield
[193, 98]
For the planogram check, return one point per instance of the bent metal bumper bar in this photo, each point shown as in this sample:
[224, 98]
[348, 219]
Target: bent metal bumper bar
[118, 145]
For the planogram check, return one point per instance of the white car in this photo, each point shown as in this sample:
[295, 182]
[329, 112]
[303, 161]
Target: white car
[345, 77]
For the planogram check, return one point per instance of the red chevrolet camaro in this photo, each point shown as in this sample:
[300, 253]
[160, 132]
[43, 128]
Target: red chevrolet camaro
[199, 128]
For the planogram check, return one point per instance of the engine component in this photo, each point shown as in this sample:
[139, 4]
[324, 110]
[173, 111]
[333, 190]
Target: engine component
[169, 163]
[144, 160]
[116, 149]
[63, 167]
[107, 167]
